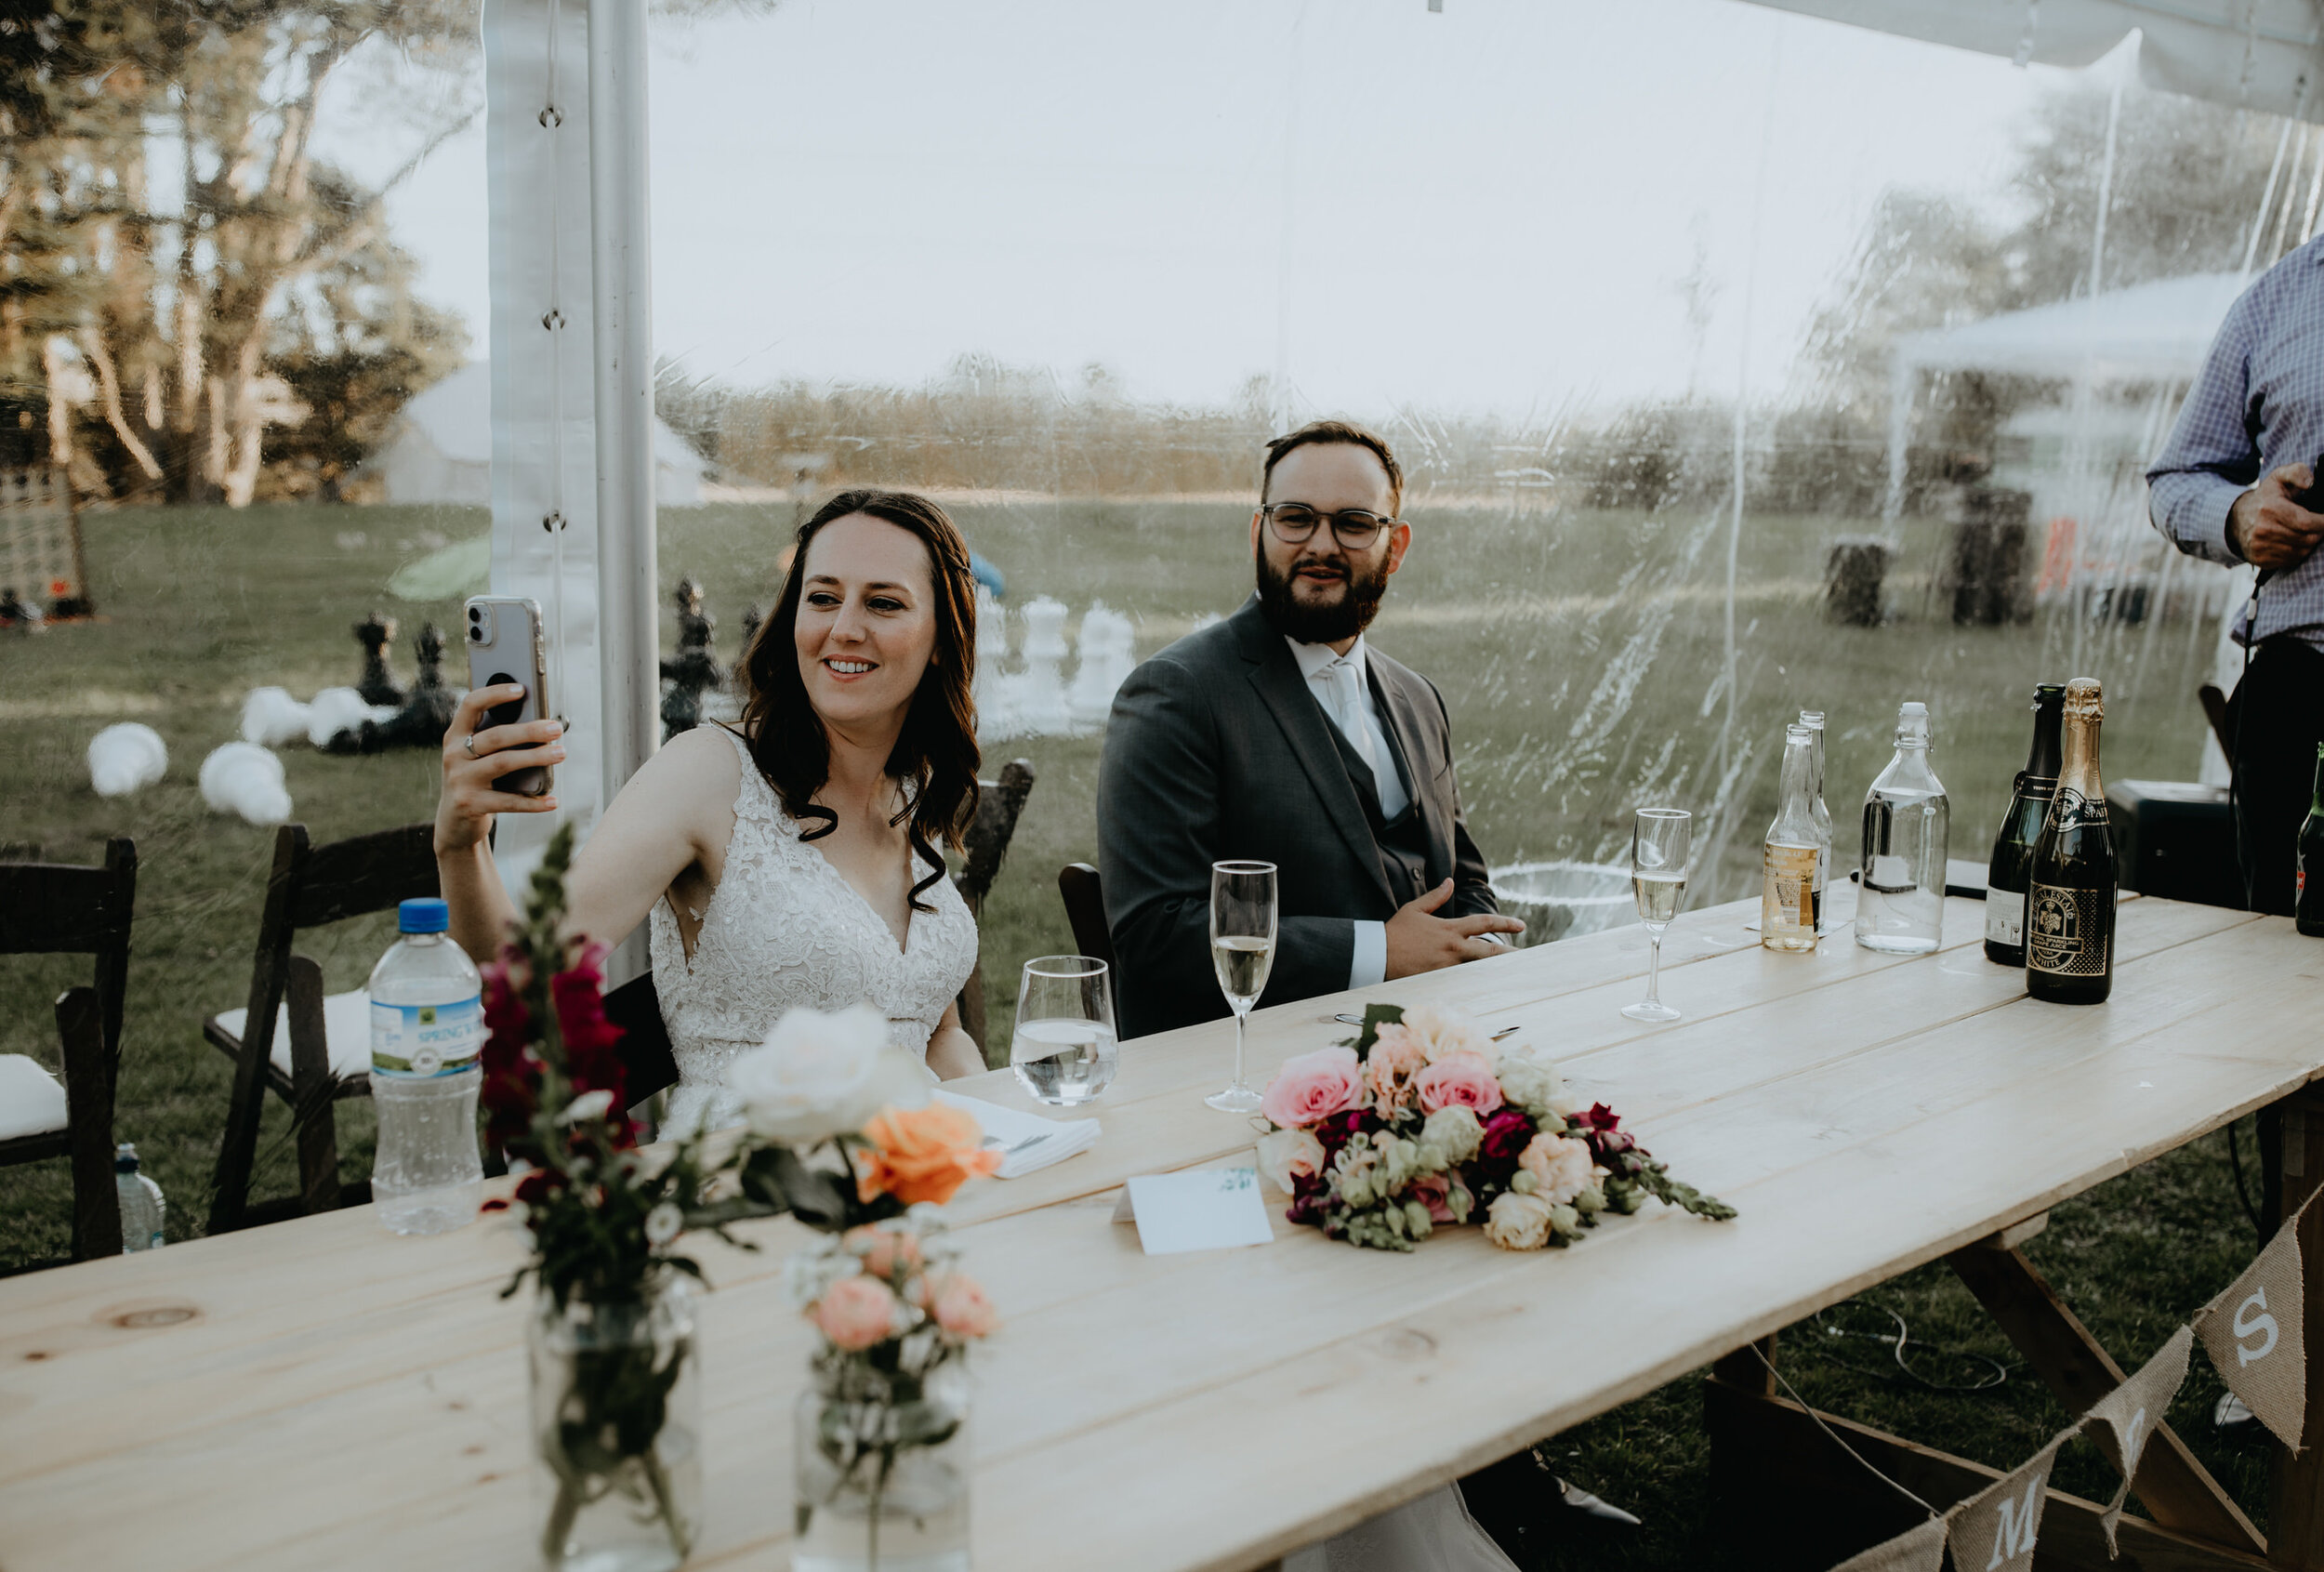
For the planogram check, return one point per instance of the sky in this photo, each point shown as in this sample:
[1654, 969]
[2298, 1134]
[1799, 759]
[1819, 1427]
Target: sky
[1489, 208]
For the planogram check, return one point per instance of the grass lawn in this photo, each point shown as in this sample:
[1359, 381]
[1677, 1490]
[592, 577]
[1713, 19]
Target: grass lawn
[1582, 657]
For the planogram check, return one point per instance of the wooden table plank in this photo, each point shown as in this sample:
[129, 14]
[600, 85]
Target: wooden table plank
[1869, 1113]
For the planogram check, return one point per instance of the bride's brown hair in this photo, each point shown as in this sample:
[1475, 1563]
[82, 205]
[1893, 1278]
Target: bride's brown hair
[935, 754]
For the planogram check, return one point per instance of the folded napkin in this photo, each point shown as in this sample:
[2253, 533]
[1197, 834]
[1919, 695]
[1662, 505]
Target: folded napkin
[1029, 1142]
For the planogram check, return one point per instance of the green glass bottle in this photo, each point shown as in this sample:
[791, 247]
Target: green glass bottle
[2308, 911]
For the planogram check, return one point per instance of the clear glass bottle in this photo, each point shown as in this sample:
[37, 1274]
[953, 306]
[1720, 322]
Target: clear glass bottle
[142, 1206]
[1787, 888]
[1814, 720]
[427, 1030]
[1906, 825]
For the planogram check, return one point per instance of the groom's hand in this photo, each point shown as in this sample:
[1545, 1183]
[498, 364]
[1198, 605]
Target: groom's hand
[1420, 941]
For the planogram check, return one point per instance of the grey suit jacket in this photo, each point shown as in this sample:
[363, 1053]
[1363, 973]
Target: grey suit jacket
[1218, 750]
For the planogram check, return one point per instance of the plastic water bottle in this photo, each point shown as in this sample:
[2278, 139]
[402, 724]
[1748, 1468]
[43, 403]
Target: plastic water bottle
[427, 1030]
[141, 1203]
[1906, 825]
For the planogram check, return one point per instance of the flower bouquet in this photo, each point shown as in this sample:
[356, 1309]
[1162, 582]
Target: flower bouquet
[1420, 1120]
[880, 1452]
[836, 1137]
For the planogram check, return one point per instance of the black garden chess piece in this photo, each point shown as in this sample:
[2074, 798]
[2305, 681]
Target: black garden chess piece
[426, 712]
[694, 670]
[376, 685]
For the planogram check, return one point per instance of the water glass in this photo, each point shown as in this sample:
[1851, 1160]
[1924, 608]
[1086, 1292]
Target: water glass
[1658, 845]
[1064, 1051]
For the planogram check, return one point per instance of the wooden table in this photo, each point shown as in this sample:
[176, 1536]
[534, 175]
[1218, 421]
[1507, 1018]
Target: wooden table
[319, 1393]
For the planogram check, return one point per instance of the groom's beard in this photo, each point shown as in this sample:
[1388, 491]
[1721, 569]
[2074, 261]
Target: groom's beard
[1323, 622]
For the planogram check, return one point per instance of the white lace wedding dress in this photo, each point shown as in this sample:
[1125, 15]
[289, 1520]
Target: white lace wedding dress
[786, 927]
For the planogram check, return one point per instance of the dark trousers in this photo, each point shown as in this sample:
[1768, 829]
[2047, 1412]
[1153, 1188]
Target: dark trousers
[2275, 720]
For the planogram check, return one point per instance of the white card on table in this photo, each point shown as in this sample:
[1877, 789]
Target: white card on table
[1199, 1210]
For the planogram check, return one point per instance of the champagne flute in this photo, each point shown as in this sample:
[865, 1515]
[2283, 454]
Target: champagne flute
[1243, 952]
[1064, 1050]
[1657, 865]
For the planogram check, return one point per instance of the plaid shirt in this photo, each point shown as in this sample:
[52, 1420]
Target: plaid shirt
[2257, 404]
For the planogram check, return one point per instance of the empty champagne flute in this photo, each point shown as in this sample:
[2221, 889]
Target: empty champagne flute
[1243, 952]
[1064, 1051]
[1657, 868]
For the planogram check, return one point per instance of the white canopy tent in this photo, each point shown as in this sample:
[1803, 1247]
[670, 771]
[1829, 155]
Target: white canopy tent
[2252, 54]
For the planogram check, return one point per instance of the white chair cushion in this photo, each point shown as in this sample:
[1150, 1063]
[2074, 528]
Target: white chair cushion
[32, 1101]
[346, 1032]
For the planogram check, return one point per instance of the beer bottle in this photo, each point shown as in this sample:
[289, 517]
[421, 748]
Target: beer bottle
[2069, 896]
[1786, 888]
[2021, 827]
[2309, 912]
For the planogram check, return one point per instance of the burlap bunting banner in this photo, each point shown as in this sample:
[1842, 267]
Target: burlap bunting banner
[2126, 1418]
[1918, 1549]
[1994, 1531]
[2253, 1335]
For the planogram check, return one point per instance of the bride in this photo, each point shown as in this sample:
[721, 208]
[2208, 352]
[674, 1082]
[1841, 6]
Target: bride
[793, 860]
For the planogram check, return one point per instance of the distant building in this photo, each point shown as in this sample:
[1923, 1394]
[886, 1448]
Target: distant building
[442, 449]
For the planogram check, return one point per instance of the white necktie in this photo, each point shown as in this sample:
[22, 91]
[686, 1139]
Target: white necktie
[1347, 704]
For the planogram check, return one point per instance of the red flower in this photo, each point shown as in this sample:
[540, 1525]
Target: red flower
[511, 1074]
[1608, 1141]
[591, 1063]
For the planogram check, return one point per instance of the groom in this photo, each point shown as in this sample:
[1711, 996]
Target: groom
[1281, 736]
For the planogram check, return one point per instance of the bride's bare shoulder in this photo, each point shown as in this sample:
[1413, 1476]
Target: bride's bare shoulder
[699, 765]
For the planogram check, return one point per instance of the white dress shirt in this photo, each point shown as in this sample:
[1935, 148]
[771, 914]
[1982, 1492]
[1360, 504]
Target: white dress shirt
[1342, 688]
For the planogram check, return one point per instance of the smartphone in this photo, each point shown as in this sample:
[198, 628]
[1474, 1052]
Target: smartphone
[2312, 498]
[505, 645]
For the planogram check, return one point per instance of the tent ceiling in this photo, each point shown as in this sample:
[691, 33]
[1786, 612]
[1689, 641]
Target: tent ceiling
[2251, 54]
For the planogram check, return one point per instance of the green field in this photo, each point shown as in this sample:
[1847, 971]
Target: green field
[1582, 657]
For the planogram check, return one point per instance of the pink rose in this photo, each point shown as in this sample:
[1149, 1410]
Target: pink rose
[961, 1308]
[1560, 1166]
[1459, 1080]
[1434, 1191]
[884, 1250]
[856, 1312]
[1312, 1087]
[1389, 1072]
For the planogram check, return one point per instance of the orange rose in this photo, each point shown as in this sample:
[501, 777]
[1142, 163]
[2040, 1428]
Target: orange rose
[923, 1153]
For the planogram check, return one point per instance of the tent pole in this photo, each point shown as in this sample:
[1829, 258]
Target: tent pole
[621, 276]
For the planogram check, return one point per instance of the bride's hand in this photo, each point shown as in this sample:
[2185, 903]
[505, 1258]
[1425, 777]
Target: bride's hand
[474, 761]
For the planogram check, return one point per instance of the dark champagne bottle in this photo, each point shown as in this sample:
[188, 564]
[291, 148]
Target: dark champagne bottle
[2308, 913]
[2069, 898]
[2012, 867]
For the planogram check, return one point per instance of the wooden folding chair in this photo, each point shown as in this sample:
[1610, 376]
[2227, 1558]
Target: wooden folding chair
[1085, 909]
[325, 1053]
[997, 808]
[52, 908]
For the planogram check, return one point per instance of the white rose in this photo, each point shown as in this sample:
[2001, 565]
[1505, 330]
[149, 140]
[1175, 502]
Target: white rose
[1518, 1222]
[1440, 1032]
[1530, 1080]
[1286, 1155]
[817, 1076]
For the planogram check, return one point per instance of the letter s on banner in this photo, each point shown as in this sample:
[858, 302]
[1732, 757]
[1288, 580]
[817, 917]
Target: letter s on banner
[2262, 1325]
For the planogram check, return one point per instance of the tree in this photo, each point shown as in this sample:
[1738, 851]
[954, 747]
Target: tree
[140, 329]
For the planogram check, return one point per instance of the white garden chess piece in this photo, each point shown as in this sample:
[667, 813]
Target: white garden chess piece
[247, 779]
[272, 719]
[995, 690]
[1107, 657]
[341, 710]
[125, 758]
[1042, 702]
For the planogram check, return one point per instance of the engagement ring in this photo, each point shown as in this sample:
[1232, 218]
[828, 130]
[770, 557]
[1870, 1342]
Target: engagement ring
[468, 742]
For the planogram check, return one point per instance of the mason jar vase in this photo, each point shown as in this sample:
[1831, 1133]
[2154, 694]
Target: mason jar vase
[616, 1429]
[881, 1471]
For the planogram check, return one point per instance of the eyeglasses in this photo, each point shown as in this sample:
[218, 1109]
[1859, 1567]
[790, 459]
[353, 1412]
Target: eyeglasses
[1353, 527]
